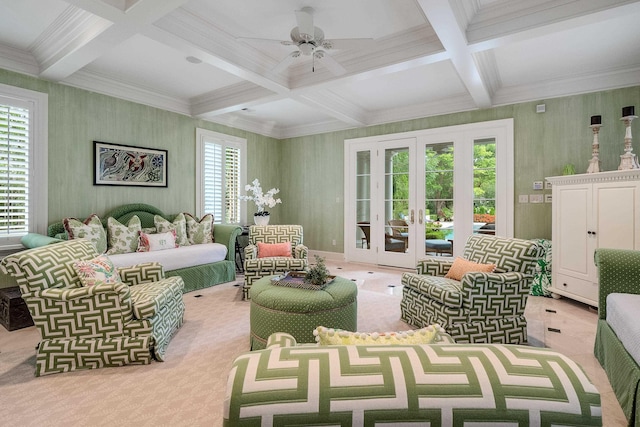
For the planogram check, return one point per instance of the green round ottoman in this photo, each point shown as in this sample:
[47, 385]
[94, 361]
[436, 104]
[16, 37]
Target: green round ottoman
[276, 308]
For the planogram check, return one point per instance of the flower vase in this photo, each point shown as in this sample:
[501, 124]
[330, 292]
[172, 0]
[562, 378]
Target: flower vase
[261, 219]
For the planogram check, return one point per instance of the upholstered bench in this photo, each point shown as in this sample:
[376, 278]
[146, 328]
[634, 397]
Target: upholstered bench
[414, 384]
[277, 308]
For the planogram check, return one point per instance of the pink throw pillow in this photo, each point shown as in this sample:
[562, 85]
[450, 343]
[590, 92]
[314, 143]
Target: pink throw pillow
[268, 250]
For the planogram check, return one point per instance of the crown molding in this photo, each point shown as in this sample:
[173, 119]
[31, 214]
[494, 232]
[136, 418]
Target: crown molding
[336, 106]
[231, 98]
[555, 88]
[451, 104]
[588, 178]
[72, 29]
[19, 61]
[107, 85]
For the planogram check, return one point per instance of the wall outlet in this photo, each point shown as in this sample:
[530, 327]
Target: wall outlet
[548, 198]
[537, 185]
[547, 185]
[523, 198]
[333, 242]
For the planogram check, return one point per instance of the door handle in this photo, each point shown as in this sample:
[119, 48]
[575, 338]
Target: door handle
[420, 216]
[412, 216]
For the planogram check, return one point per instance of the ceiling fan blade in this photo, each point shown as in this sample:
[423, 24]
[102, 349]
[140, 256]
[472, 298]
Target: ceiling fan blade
[348, 43]
[288, 60]
[304, 18]
[330, 63]
[270, 41]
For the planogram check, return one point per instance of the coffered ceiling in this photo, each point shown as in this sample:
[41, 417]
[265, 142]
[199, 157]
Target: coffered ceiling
[217, 59]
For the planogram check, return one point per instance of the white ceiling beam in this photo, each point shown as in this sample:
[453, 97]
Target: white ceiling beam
[89, 29]
[232, 98]
[335, 106]
[444, 22]
[495, 27]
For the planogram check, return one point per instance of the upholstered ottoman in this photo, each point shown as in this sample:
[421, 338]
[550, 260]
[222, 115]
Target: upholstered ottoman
[276, 308]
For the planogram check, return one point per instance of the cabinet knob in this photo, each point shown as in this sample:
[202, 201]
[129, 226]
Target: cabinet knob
[589, 232]
[564, 284]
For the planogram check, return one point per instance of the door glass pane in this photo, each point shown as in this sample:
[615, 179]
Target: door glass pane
[484, 186]
[363, 199]
[396, 201]
[438, 209]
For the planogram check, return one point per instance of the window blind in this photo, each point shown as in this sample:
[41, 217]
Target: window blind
[14, 171]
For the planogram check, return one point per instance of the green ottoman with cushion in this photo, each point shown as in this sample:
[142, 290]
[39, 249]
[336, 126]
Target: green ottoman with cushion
[276, 308]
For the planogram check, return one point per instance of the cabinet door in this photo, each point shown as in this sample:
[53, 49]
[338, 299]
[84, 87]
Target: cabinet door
[572, 243]
[617, 215]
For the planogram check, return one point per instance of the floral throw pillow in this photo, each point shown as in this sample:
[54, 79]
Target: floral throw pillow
[97, 271]
[199, 232]
[157, 242]
[179, 224]
[91, 229]
[123, 239]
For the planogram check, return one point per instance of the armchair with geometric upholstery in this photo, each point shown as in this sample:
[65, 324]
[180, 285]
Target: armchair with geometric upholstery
[257, 266]
[107, 324]
[480, 307]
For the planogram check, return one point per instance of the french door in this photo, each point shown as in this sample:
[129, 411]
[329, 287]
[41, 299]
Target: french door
[423, 193]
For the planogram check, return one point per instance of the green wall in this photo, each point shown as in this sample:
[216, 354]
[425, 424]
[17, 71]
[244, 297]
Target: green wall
[308, 170]
[78, 117]
[543, 144]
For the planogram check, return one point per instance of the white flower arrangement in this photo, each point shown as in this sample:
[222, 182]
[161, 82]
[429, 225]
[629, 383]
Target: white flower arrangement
[261, 200]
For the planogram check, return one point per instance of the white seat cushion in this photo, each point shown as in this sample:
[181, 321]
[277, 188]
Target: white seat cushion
[622, 316]
[173, 259]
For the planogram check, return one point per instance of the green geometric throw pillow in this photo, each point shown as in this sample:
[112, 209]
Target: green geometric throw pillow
[91, 229]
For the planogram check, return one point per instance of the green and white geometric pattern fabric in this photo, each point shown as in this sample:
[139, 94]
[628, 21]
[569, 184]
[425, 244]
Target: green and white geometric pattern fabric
[101, 325]
[482, 307]
[256, 268]
[409, 385]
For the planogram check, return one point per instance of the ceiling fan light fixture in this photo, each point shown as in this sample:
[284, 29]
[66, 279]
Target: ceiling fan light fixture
[306, 48]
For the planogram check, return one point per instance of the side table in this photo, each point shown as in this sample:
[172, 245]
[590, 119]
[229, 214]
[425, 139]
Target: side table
[241, 242]
[14, 313]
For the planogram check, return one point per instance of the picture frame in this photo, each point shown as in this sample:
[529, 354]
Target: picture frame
[128, 165]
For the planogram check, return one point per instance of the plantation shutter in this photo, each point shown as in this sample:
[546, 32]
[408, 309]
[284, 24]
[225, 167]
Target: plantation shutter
[222, 182]
[233, 185]
[14, 171]
[213, 180]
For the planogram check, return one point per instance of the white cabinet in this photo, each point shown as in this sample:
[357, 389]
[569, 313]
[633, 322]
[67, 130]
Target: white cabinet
[590, 211]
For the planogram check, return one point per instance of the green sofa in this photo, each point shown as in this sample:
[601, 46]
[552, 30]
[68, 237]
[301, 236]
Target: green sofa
[195, 277]
[619, 274]
[415, 384]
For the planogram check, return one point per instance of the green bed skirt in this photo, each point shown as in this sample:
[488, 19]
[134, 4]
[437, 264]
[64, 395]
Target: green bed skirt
[622, 370]
[204, 276]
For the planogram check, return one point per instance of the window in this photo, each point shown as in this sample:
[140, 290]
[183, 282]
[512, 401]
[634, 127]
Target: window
[23, 164]
[220, 176]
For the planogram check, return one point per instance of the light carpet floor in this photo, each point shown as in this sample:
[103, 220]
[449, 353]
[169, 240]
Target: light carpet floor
[186, 390]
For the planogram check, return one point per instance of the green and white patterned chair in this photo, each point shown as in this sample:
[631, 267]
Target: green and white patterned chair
[100, 325]
[255, 268]
[481, 307]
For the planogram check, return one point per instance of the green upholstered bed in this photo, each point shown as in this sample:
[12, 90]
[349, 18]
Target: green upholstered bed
[196, 277]
[419, 384]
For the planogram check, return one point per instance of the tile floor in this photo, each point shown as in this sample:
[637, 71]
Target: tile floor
[563, 325]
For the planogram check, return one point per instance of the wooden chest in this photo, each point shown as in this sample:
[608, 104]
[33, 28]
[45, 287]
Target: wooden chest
[14, 313]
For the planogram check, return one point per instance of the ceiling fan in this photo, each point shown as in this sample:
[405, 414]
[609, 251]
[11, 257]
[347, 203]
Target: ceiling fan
[310, 41]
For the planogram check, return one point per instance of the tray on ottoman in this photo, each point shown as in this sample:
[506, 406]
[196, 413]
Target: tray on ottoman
[295, 279]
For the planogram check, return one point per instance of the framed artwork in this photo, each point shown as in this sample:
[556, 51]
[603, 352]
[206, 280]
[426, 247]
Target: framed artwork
[128, 165]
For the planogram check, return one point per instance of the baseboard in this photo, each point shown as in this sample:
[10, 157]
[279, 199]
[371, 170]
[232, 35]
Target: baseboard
[332, 256]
